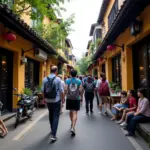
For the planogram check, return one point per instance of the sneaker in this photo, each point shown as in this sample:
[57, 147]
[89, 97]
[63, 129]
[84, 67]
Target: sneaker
[129, 134]
[87, 113]
[100, 113]
[124, 124]
[92, 112]
[73, 132]
[119, 122]
[106, 113]
[54, 138]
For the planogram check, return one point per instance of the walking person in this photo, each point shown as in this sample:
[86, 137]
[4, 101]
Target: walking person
[103, 92]
[3, 128]
[89, 88]
[54, 94]
[63, 86]
[73, 93]
[96, 93]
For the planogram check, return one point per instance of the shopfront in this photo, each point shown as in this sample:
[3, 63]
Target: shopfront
[32, 73]
[141, 61]
[6, 76]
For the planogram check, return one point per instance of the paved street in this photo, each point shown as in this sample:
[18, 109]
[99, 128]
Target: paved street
[94, 132]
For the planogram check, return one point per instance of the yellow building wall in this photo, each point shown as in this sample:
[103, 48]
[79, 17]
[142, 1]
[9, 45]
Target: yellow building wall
[18, 68]
[128, 40]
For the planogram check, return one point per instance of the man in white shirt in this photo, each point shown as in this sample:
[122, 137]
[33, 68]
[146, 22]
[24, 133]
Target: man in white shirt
[63, 86]
[103, 98]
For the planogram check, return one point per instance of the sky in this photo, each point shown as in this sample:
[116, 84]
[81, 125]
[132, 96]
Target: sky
[86, 13]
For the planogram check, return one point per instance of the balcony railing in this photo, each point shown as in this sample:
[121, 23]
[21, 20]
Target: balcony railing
[113, 13]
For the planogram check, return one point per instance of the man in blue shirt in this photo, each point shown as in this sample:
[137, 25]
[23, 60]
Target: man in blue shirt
[54, 104]
[73, 98]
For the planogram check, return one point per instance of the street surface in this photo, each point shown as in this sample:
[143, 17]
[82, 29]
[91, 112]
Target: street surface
[94, 132]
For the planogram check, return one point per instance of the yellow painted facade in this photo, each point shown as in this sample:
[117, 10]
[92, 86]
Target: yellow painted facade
[128, 40]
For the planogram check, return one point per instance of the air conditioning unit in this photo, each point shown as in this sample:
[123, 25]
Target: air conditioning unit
[40, 54]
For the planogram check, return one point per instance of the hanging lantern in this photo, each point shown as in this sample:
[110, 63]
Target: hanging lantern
[111, 47]
[9, 36]
[100, 59]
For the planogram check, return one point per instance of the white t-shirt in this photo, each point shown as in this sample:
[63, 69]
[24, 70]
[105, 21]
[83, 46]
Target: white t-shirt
[63, 84]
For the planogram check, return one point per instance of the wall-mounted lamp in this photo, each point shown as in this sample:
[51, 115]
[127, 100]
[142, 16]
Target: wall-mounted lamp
[23, 58]
[135, 27]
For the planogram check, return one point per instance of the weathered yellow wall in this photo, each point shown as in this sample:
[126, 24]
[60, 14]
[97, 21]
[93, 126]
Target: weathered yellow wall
[18, 68]
[128, 40]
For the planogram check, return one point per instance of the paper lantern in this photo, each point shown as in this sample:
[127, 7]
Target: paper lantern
[110, 47]
[9, 36]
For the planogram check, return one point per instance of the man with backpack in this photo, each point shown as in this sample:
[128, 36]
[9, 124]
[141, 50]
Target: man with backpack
[54, 94]
[89, 88]
[103, 92]
[73, 97]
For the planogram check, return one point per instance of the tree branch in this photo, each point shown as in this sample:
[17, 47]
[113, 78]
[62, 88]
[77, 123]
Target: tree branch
[22, 10]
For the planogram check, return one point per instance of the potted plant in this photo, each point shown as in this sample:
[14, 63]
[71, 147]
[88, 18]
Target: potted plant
[41, 100]
[27, 91]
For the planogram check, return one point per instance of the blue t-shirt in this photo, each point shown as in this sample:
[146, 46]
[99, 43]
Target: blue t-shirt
[74, 80]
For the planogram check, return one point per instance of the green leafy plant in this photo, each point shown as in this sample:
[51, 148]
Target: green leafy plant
[38, 89]
[92, 48]
[46, 8]
[98, 42]
[115, 87]
[27, 91]
[56, 33]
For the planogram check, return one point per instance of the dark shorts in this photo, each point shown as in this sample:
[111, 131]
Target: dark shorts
[73, 105]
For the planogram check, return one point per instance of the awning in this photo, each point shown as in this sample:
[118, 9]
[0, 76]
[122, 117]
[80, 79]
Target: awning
[129, 11]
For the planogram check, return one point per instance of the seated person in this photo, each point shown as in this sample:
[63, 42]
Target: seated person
[117, 108]
[142, 114]
[132, 107]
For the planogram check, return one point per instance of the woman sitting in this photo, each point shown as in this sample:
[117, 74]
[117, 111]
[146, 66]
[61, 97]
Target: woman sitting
[142, 114]
[117, 108]
[131, 109]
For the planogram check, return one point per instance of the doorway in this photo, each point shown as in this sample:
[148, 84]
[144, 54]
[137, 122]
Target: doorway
[103, 68]
[6, 77]
[116, 70]
[141, 61]
[31, 73]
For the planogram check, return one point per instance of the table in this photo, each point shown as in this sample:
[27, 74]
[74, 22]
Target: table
[113, 99]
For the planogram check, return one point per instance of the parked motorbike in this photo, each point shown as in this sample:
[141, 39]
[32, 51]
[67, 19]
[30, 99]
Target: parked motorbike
[26, 107]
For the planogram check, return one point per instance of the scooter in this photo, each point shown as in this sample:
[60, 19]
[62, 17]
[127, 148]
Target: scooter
[26, 107]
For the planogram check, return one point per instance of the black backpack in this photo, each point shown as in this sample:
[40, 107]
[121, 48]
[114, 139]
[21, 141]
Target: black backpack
[50, 91]
[89, 87]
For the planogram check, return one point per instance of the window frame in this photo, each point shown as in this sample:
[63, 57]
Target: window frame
[113, 13]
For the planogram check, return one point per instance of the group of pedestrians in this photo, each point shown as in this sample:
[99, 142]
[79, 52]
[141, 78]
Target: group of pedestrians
[73, 89]
[56, 92]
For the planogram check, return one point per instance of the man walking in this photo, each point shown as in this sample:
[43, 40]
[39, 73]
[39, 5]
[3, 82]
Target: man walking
[89, 88]
[74, 92]
[53, 92]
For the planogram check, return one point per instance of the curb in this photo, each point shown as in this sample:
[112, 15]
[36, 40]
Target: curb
[8, 118]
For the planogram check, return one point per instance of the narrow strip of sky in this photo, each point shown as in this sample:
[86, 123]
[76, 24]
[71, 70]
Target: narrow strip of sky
[86, 13]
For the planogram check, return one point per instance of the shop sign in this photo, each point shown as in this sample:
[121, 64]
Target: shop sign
[41, 54]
